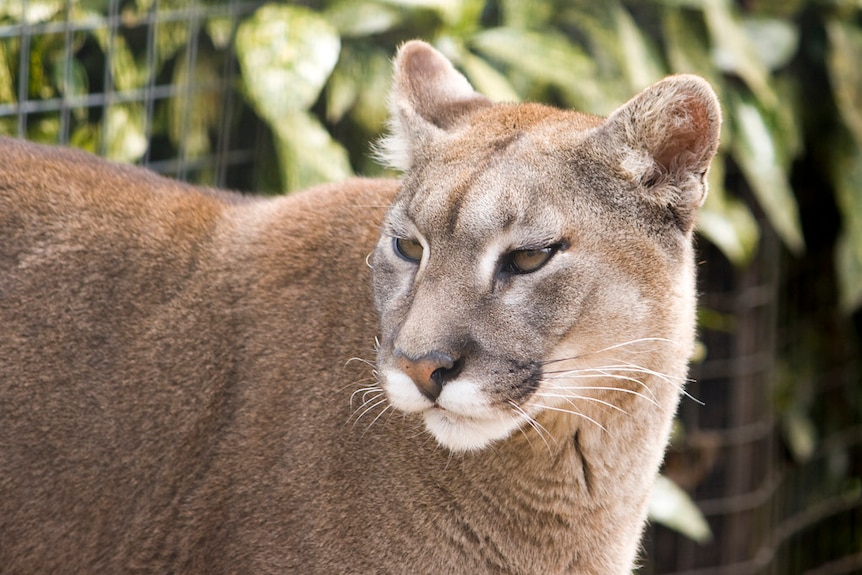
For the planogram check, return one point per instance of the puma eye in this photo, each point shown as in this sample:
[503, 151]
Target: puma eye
[528, 261]
[410, 250]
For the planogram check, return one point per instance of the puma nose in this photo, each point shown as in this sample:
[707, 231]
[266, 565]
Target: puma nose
[429, 372]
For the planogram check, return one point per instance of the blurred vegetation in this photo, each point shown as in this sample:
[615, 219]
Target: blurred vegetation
[317, 73]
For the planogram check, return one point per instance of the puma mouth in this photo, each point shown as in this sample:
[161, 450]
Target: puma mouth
[461, 419]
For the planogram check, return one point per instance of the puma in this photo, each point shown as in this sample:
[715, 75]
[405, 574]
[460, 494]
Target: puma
[471, 370]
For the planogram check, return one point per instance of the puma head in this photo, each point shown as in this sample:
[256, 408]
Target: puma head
[526, 242]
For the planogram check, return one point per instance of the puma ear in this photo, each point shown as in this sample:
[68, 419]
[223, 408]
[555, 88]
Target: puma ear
[669, 134]
[428, 97]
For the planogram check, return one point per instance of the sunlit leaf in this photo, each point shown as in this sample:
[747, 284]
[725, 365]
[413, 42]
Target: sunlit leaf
[126, 73]
[31, 11]
[726, 221]
[7, 84]
[101, 6]
[597, 26]
[686, 46]
[457, 13]
[673, 508]
[85, 137]
[39, 81]
[125, 140]
[359, 19]
[715, 320]
[308, 155]
[486, 79]
[342, 89]
[846, 175]
[286, 54]
[699, 4]
[546, 57]
[195, 113]
[734, 52]
[360, 84]
[70, 76]
[848, 258]
[845, 72]
[220, 31]
[799, 433]
[536, 14]
[758, 155]
[732, 229]
[171, 37]
[775, 41]
[44, 130]
[642, 64]
[8, 126]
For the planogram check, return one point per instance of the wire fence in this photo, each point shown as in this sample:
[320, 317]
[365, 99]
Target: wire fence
[229, 160]
[770, 511]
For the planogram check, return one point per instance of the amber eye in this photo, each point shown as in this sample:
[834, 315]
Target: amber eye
[527, 261]
[410, 250]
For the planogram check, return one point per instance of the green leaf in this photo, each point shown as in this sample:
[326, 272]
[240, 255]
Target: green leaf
[486, 79]
[640, 58]
[308, 155]
[124, 133]
[536, 14]
[193, 113]
[76, 84]
[800, 433]
[342, 89]
[598, 24]
[36, 10]
[359, 19]
[220, 31]
[85, 137]
[734, 51]
[845, 53]
[125, 72]
[7, 84]
[686, 46]
[360, 85]
[757, 151]
[775, 41]
[695, 4]
[455, 13]
[546, 57]
[673, 508]
[732, 229]
[846, 176]
[286, 54]
[845, 74]
[726, 221]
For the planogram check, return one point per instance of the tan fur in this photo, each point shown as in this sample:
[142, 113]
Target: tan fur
[183, 376]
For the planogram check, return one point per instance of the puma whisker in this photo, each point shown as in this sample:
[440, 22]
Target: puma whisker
[186, 384]
[540, 430]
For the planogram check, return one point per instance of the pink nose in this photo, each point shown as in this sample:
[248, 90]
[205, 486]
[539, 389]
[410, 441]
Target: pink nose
[429, 372]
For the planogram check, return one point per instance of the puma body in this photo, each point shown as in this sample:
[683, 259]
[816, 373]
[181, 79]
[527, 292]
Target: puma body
[186, 379]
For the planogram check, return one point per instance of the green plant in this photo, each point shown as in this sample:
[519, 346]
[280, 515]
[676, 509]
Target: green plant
[592, 56]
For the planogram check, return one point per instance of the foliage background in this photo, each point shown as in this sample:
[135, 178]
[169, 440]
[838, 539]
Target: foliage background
[303, 86]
